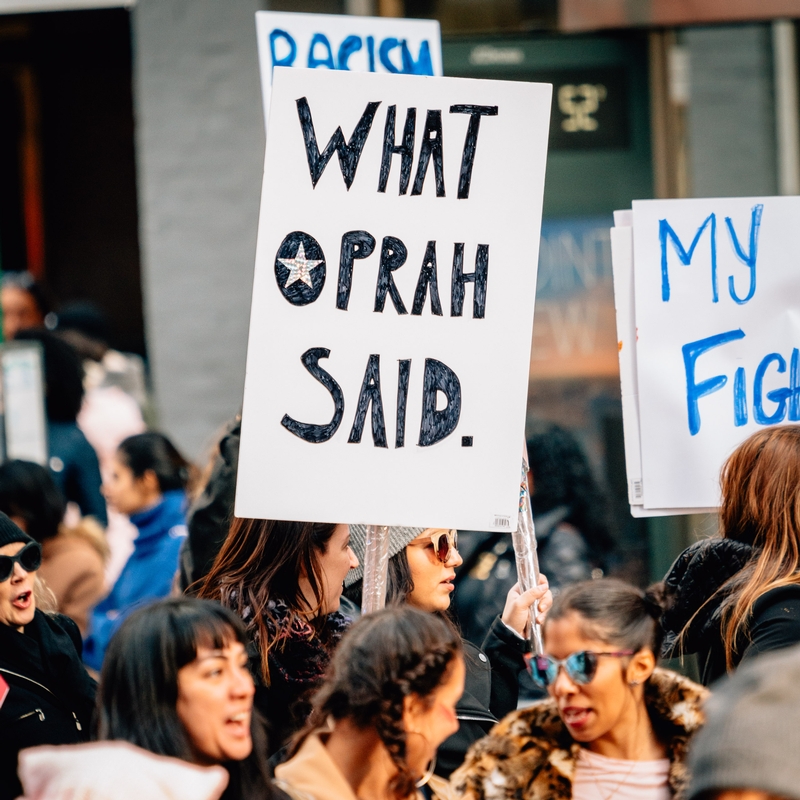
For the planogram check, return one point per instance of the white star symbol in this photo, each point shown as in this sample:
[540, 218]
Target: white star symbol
[300, 268]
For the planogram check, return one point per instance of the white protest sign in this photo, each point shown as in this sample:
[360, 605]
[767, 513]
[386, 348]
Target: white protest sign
[22, 381]
[622, 267]
[390, 331]
[624, 302]
[717, 295]
[335, 41]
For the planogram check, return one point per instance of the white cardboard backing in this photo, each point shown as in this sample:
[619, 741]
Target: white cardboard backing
[335, 41]
[469, 478]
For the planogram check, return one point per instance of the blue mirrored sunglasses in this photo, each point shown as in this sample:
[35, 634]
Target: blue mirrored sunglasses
[580, 667]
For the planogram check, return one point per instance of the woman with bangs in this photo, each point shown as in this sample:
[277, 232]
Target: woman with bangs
[175, 682]
[737, 594]
[284, 580]
[174, 705]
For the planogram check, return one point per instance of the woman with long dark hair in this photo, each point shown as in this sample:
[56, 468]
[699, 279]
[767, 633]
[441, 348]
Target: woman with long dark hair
[175, 682]
[421, 573]
[284, 580]
[737, 594]
[148, 483]
[613, 726]
[388, 701]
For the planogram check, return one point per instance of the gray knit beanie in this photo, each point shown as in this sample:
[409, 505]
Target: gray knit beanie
[752, 737]
[10, 532]
[398, 539]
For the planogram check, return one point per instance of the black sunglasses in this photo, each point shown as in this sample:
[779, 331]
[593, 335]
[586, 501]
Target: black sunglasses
[580, 667]
[29, 558]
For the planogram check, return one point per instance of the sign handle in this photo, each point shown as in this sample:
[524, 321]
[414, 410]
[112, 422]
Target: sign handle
[524, 541]
[376, 565]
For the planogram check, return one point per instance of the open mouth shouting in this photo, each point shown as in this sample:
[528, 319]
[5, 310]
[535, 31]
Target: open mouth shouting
[23, 600]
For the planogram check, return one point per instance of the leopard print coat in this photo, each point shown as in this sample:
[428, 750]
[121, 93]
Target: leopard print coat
[530, 755]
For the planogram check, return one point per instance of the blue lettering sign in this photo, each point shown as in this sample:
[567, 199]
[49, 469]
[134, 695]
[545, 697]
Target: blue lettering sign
[326, 60]
[694, 390]
[749, 260]
[288, 59]
[352, 44]
[422, 66]
[665, 231]
[779, 396]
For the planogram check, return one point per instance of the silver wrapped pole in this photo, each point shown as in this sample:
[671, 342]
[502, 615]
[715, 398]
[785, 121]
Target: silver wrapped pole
[376, 565]
[524, 541]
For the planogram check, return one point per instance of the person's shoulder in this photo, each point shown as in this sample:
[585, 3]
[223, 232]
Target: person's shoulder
[782, 601]
[790, 592]
[675, 699]
[516, 750]
[65, 624]
[68, 543]
[540, 719]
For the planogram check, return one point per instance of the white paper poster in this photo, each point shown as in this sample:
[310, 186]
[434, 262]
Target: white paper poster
[390, 331]
[717, 307]
[357, 44]
[21, 373]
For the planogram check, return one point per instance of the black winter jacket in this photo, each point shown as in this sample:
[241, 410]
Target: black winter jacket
[297, 663]
[50, 695]
[211, 514]
[491, 691]
[697, 588]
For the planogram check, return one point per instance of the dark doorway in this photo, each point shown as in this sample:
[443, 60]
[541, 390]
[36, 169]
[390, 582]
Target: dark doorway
[68, 209]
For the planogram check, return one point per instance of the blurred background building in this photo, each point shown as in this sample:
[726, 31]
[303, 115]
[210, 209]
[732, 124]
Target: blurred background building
[132, 143]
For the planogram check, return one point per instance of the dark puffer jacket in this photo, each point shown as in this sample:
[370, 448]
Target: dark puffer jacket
[50, 696]
[491, 690]
[700, 586]
[211, 514]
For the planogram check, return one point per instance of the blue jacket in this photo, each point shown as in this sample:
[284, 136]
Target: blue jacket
[147, 575]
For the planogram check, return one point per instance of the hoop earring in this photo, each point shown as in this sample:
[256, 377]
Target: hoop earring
[428, 774]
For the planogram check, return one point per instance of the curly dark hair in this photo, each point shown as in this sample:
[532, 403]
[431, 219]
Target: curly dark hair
[562, 477]
[384, 658]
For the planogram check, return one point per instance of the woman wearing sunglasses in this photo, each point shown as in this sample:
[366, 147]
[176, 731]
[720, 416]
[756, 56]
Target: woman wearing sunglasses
[46, 696]
[422, 566]
[613, 726]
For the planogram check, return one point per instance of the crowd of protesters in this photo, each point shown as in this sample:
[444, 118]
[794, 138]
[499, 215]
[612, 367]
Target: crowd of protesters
[153, 645]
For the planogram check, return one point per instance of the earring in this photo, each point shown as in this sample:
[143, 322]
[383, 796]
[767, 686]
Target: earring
[428, 774]
[634, 683]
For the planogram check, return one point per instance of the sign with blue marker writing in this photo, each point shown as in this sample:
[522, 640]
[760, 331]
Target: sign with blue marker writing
[390, 331]
[717, 291]
[383, 45]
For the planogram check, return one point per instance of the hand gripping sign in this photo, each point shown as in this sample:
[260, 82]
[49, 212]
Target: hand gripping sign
[393, 299]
